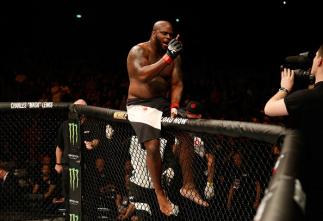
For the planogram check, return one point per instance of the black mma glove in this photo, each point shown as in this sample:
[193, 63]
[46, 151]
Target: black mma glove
[173, 49]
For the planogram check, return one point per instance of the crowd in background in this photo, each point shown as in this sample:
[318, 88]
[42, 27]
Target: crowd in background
[227, 93]
[231, 93]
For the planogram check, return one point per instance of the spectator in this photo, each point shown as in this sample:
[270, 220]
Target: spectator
[10, 191]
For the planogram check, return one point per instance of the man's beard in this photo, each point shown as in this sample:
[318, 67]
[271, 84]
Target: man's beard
[160, 46]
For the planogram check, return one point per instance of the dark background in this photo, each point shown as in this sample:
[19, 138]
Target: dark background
[45, 38]
[234, 33]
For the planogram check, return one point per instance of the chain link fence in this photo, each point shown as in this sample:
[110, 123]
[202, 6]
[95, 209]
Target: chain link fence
[27, 147]
[229, 173]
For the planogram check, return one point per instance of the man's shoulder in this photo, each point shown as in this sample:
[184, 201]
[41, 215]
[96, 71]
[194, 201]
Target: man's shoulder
[143, 47]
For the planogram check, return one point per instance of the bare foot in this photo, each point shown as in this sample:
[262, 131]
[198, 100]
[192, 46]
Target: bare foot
[192, 194]
[165, 205]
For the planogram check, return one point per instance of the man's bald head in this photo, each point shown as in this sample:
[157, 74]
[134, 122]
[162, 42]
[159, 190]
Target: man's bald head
[80, 102]
[159, 24]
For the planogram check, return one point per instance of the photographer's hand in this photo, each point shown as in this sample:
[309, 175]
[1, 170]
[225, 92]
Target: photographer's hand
[287, 79]
[275, 106]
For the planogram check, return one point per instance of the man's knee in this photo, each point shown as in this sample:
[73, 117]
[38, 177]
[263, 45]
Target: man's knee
[152, 146]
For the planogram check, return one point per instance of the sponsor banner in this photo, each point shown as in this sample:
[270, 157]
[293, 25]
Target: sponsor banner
[25, 105]
[174, 120]
[73, 133]
[74, 217]
[74, 170]
[74, 178]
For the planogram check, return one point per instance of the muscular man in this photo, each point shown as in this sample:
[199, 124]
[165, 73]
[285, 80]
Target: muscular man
[154, 69]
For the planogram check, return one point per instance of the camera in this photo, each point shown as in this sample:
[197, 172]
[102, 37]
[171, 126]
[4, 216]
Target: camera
[304, 76]
[301, 65]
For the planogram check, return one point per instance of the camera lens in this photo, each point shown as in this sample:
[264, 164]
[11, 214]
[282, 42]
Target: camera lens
[301, 73]
[304, 76]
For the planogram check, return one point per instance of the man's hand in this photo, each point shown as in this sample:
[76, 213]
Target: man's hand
[173, 112]
[174, 48]
[59, 168]
[174, 109]
[88, 145]
[209, 190]
[287, 79]
[91, 144]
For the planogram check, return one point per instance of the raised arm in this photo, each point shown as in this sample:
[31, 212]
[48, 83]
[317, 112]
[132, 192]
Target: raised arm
[139, 66]
[275, 106]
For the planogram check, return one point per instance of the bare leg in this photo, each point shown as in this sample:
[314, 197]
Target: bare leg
[184, 150]
[154, 165]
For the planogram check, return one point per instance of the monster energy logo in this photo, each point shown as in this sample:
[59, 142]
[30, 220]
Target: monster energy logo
[74, 217]
[74, 178]
[73, 133]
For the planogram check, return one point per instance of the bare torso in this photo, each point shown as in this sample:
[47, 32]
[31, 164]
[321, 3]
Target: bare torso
[142, 86]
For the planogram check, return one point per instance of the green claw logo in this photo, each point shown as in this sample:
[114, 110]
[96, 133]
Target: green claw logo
[72, 127]
[74, 217]
[74, 178]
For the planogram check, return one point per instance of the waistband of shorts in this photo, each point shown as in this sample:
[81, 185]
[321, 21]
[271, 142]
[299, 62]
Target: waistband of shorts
[147, 101]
